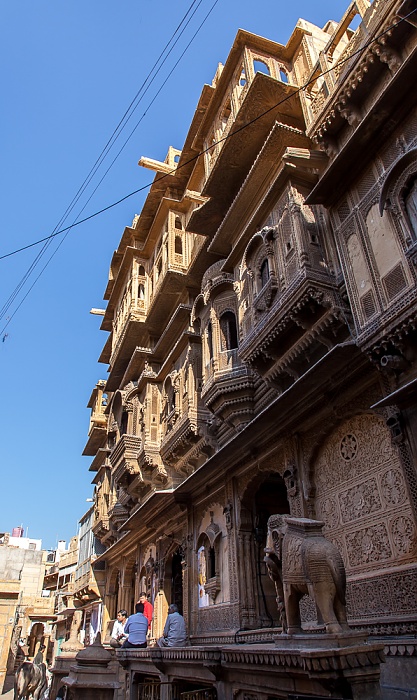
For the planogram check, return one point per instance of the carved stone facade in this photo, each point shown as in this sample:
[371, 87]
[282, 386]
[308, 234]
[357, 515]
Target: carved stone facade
[262, 350]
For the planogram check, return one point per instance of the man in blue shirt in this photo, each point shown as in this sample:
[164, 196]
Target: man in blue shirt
[136, 629]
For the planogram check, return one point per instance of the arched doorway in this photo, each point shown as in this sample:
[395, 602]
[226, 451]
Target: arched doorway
[35, 638]
[265, 496]
[173, 579]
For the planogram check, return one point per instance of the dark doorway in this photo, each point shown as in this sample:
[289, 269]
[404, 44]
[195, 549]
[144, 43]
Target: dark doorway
[176, 581]
[270, 498]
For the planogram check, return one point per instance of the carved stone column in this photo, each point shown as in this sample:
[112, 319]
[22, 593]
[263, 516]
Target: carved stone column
[73, 644]
[248, 574]
[125, 594]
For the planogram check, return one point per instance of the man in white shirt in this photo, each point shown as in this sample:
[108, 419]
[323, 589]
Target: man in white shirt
[118, 635]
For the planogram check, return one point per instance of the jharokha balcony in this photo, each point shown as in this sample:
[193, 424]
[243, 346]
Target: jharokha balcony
[97, 433]
[124, 458]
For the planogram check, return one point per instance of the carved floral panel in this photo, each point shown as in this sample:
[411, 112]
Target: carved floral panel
[362, 497]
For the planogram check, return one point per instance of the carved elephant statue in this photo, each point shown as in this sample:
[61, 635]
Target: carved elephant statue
[307, 563]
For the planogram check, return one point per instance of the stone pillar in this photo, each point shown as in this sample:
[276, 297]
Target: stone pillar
[249, 578]
[160, 613]
[125, 596]
[91, 678]
[72, 644]
[46, 641]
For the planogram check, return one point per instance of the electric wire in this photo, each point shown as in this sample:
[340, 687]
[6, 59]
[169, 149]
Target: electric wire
[205, 150]
[195, 157]
[132, 107]
[116, 133]
[111, 141]
[70, 227]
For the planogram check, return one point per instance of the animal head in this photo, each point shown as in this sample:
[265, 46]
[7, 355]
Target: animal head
[277, 526]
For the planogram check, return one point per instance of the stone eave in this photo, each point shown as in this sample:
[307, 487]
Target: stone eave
[102, 468]
[99, 459]
[131, 337]
[256, 186]
[397, 321]
[350, 64]
[174, 328]
[139, 357]
[136, 363]
[404, 397]
[106, 351]
[185, 338]
[286, 173]
[114, 266]
[145, 518]
[244, 39]
[242, 145]
[119, 283]
[168, 203]
[139, 524]
[282, 311]
[391, 104]
[178, 180]
[299, 399]
[95, 440]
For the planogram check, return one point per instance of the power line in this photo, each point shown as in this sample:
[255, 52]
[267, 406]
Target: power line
[111, 141]
[209, 148]
[194, 158]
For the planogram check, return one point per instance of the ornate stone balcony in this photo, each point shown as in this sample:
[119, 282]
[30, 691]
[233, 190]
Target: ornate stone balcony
[124, 457]
[101, 525]
[228, 391]
[187, 444]
[299, 329]
[367, 89]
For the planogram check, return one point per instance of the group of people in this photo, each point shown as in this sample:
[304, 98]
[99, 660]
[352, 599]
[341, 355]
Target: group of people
[132, 632]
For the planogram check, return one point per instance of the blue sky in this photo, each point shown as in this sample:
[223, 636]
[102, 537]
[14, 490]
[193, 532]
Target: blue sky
[70, 69]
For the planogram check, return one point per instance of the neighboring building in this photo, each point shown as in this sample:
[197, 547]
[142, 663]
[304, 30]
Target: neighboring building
[87, 578]
[59, 581]
[26, 608]
[262, 352]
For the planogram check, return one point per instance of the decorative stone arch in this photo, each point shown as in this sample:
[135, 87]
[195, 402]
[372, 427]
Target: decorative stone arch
[212, 561]
[393, 197]
[35, 637]
[170, 389]
[196, 311]
[218, 299]
[263, 492]
[129, 590]
[215, 280]
[112, 592]
[120, 410]
[252, 247]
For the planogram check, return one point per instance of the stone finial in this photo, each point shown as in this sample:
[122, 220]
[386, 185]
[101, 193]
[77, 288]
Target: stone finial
[94, 655]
